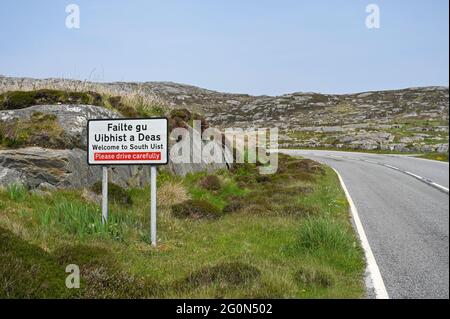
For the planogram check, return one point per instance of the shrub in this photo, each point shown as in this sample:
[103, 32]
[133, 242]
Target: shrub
[22, 99]
[15, 100]
[184, 118]
[196, 209]
[27, 271]
[314, 276]
[101, 276]
[115, 101]
[171, 193]
[182, 114]
[145, 110]
[40, 130]
[105, 283]
[85, 255]
[297, 210]
[226, 273]
[234, 204]
[115, 193]
[211, 183]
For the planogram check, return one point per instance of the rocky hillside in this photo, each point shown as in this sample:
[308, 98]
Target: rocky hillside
[43, 147]
[408, 120]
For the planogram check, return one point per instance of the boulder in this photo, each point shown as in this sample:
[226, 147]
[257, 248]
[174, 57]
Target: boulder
[71, 118]
[40, 168]
[442, 148]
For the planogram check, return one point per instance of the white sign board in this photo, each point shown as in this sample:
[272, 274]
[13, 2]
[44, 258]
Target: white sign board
[128, 142]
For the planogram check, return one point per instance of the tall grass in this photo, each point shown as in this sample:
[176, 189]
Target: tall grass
[81, 219]
[329, 241]
[17, 192]
[324, 234]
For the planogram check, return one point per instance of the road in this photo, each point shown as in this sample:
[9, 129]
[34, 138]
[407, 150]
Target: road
[405, 219]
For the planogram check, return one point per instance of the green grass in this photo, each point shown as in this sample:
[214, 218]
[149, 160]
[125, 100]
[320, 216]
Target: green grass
[343, 149]
[136, 106]
[16, 192]
[442, 157]
[41, 129]
[281, 236]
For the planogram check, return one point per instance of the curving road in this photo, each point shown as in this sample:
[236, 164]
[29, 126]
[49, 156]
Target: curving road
[403, 204]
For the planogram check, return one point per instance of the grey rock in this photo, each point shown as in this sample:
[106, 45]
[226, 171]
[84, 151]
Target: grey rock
[72, 118]
[44, 169]
[443, 148]
[11, 176]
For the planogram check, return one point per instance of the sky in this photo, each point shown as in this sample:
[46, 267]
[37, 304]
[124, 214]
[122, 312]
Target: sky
[241, 46]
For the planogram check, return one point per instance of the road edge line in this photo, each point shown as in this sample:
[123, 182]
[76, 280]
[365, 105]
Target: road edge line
[372, 266]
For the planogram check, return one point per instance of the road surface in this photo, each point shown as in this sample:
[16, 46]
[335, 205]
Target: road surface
[405, 218]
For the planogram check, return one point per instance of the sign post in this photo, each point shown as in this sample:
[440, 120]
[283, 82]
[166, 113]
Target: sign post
[129, 142]
[153, 173]
[105, 195]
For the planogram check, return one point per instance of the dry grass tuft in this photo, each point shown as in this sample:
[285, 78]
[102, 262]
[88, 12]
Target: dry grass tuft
[172, 193]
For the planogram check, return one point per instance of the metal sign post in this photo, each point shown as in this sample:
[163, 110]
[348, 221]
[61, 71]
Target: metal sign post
[153, 238]
[105, 195]
[129, 142]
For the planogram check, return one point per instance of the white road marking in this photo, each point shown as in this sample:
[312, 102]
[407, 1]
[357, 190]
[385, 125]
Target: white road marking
[393, 167]
[445, 189]
[429, 182]
[372, 266]
[420, 178]
[424, 159]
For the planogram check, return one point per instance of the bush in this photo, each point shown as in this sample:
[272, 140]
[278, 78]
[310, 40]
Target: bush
[40, 130]
[105, 283]
[314, 276]
[21, 99]
[182, 114]
[184, 118]
[227, 273]
[115, 193]
[27, 271]
[235, 204]
[211, 183]
[196, 209]
[101, 276]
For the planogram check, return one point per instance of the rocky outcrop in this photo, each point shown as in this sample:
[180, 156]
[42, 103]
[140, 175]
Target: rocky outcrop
[38, 166]
[71, 118]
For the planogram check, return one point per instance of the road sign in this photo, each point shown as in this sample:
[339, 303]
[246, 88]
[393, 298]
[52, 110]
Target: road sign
[129, 142]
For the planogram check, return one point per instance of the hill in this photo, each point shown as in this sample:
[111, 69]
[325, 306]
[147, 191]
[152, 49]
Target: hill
[406, 120]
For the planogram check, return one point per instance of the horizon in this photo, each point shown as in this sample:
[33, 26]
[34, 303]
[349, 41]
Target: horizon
[225, 92]
[256, 48]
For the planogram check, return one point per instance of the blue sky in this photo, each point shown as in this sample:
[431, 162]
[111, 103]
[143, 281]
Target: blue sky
[244, 46]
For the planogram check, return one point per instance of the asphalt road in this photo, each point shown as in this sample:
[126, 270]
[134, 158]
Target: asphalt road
[406, 220]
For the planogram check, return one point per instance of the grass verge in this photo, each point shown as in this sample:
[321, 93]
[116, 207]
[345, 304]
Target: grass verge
[286, 235]
[436, 157]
